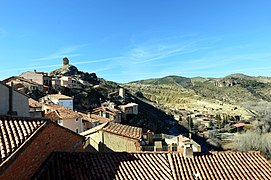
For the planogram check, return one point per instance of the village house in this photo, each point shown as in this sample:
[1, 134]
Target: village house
[13, 102]
[170, 143]
[112, 136]
[38, 77]
[239, 127]
[108, 110]
[26, 143]
[21, 83]
[179, 143]
[56, 82]
[58, 99]
[64, 117]
[92, 120]
[154, 165]
[35, 108]
[129, 110]
[66, 81]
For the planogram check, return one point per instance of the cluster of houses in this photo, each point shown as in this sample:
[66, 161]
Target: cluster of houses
[42, 81]
[48, 139]
[210, 118]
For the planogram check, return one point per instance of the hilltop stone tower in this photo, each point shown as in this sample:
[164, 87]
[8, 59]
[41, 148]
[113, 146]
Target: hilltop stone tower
[65, 61]
[122, 92]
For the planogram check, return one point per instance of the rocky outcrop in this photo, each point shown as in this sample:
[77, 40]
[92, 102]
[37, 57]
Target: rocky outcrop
[66, 70]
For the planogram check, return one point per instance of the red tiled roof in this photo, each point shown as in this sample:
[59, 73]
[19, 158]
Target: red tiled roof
[222, 165]
[94, 118]
[112, 111]
[239, 125]
[33, 103]
[58, 96]
[14, 132]
[124, 130]
[123, 165]
[22, 79]
[99, 118]
[130, 132]
[62, 113]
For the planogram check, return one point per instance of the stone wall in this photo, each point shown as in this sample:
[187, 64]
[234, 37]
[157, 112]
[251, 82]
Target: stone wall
[104, 141]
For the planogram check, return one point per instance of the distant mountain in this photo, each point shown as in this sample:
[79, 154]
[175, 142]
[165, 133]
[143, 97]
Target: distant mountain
[183, 81]
[245, 94]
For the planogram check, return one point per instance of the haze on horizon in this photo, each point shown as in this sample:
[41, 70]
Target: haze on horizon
[125, 41]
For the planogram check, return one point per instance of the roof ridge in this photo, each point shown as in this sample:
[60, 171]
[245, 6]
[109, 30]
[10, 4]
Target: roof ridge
[57, 113]
[22, 118]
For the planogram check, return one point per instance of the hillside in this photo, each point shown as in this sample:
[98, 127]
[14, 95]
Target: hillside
[94, 90]
[247, 95]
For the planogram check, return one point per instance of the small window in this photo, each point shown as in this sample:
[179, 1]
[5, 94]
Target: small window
[76, 120]
[77, 130]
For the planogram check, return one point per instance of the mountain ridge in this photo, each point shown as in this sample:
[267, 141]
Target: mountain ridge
[232, 90]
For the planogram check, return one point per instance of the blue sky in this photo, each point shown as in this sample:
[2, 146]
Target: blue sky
[125, 40]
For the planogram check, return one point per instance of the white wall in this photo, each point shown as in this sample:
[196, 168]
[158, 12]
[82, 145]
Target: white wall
[65, 103]
[72, 124]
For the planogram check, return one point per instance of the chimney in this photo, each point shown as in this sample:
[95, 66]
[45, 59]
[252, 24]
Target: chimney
[188, 150]
[150, 136]
[158, 146]
[11, 90]
[89, 114]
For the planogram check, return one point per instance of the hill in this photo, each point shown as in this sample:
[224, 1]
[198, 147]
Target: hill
[248, 95]
[94, 90]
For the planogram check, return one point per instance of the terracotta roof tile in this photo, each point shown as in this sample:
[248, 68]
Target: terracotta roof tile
[106, 166]
[14, 132]
[130, 132]
[112, 111]
[33, 103]
[100, 118]
[61, 113]
[239, 125]
[58, 96]
[222, 165]
[22, 79]
[123, 165]
[124, 130]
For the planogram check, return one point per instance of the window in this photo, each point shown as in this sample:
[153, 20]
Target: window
[77, 130]
[76, 120]
[107, 115]
[33, 88]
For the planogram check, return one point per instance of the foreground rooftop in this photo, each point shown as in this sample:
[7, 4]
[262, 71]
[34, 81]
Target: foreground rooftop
[123, 165]
[15, 132]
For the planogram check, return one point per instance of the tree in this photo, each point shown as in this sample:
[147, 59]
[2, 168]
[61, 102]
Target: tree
[253, 141]
[218, 121]
[190, 122]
